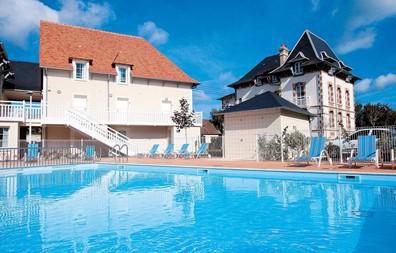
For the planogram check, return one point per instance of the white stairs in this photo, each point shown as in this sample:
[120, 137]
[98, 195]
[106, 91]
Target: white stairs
[100, 132]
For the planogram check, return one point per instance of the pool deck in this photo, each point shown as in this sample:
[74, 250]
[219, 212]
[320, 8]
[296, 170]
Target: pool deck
[273, 165]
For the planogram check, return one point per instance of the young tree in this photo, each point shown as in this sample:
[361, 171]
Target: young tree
[217, 120]
[183, 118]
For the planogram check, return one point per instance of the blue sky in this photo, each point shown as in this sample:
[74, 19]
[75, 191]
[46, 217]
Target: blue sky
[216, 42]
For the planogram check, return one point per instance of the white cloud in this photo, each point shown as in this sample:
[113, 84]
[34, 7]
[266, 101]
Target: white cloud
[18, 19]
[363, 39]
[87, 14]
[364, 15]
[367, 12]
[200, 95]
[153, 33]
[363, 85]
[384, 80]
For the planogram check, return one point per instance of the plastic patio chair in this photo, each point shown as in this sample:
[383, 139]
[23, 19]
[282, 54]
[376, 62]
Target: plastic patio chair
[168, 150]
[367, 151]
[317, 151]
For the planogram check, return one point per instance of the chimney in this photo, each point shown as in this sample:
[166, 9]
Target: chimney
[283, 54]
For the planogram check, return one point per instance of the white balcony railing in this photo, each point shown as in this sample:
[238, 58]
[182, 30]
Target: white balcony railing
[301, 101]
[20, 111]
[38, 113]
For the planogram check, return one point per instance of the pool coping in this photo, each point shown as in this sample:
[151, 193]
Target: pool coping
[253, 169]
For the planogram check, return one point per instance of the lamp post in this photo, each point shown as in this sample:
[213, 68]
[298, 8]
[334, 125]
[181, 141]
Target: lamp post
[30, 93]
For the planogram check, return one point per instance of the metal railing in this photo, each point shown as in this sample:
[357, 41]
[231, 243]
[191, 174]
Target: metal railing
[35, 157]
[40, 112]
[301, 101]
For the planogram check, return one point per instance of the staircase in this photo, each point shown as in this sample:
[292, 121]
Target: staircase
[100, 132]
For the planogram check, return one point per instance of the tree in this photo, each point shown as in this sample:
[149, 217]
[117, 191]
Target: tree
[217, 120]
[183, 118]
[374, 114]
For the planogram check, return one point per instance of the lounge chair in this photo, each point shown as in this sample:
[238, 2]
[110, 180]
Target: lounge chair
[200, 152]
[32, 152]
[168, 152]
[183, 151]
[367, 151]
[316, 152]
[153, 151]
[89, 152]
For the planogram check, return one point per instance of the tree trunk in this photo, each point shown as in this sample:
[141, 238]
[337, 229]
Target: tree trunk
[185, 132]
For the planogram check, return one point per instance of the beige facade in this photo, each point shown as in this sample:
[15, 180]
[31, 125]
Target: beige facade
[241, 129]
[13, 133]
[106, 101]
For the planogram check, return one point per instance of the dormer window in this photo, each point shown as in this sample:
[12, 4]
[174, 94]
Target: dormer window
[297, 69]
[122, 74]
[80, 69]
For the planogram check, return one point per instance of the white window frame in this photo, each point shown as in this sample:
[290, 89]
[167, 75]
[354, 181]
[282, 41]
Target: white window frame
[85, 73]
[127, 73]
[300, 88]
[5, 133]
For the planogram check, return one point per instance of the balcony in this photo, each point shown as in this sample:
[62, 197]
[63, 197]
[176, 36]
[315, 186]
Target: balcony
[302, 102]
[19, 111]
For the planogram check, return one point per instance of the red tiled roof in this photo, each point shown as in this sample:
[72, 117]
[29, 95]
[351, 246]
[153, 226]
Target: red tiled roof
[208, 128]
[60, 42]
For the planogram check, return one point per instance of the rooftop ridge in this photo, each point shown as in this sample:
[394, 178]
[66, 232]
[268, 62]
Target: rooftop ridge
[91, 29]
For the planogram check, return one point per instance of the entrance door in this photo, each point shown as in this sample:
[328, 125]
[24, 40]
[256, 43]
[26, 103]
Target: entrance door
[122, 109]
[80, 102]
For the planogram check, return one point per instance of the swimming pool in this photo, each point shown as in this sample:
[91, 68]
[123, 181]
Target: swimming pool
[112, 208]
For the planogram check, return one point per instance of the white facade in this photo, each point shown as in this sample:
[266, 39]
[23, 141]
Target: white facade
[315, 99]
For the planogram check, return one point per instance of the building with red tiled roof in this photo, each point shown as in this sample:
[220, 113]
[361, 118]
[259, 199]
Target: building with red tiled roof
[118, 89]
[59, 43]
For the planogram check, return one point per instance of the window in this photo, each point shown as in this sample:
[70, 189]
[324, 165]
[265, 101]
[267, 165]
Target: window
[80, 70]
[340, 118]
[331, 119]
[299, 89]
[339, 96]
[331, 94]
[297, 69]
[122, 74]
[348, 121]
[4, 137]
[347, 99]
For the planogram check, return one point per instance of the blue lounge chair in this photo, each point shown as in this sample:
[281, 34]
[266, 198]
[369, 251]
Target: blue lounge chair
[153, 151]
[32, 152]
[89, 152]
[316, 151]
[367, 151]
[183, 151]
[202, 150]
[168, 152]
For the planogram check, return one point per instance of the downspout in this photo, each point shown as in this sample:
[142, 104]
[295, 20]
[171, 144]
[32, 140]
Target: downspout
[108, 98]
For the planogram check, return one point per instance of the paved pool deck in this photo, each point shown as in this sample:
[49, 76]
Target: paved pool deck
[273, 165]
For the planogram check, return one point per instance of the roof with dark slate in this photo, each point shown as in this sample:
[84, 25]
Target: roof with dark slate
[267, 100]
[268, 64]
[314, 50]
[27, 76]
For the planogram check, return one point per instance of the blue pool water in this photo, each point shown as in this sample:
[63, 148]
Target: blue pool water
[109, 208]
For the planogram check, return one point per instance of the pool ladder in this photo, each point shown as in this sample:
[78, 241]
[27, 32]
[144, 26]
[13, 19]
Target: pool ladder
[118, 155]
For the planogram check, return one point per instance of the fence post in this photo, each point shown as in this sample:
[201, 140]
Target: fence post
[257, 148]
[223, 145]
[281, 146]
[340, 142]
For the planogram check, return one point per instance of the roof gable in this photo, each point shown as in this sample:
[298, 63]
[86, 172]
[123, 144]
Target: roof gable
[266, 100]
[60, 42]
[208, 128]
[266, 65]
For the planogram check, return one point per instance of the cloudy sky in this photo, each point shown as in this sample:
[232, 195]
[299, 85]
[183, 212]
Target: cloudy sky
[216, 42]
